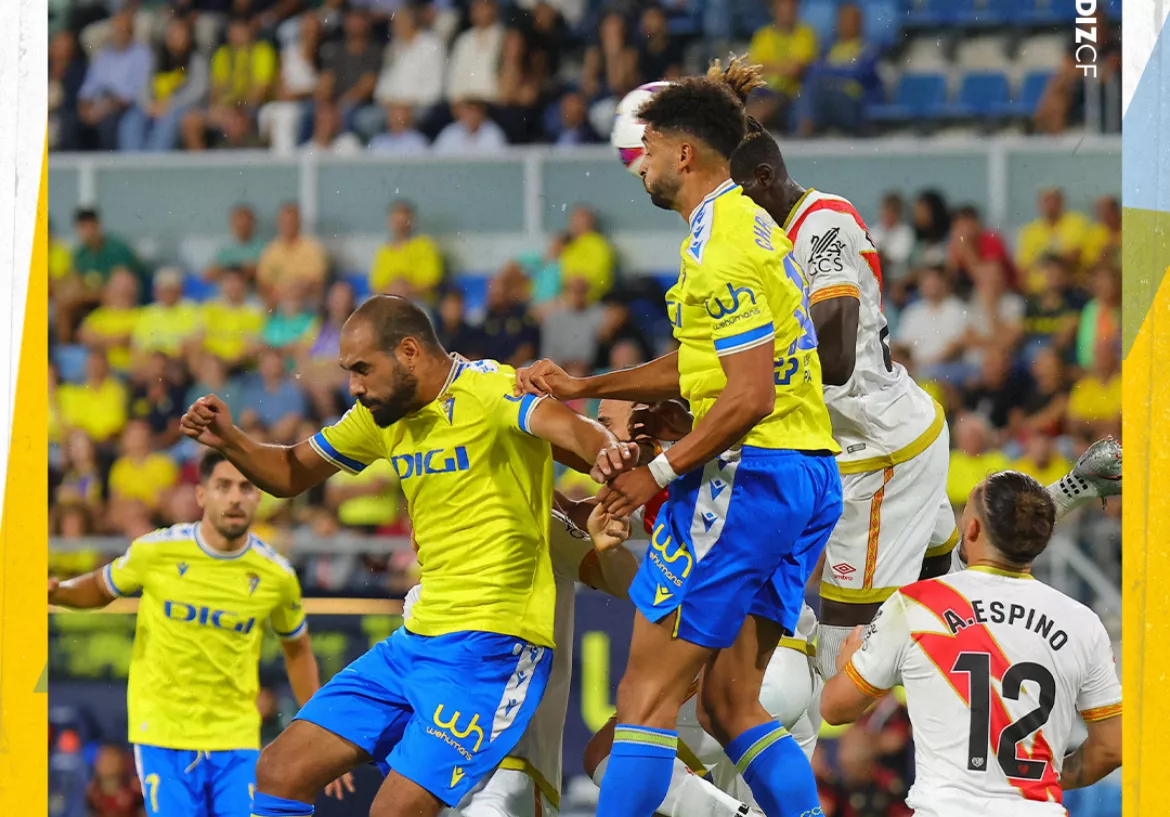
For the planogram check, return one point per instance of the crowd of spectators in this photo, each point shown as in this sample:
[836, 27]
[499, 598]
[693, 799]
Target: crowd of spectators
[452, 76]
[1021, 346]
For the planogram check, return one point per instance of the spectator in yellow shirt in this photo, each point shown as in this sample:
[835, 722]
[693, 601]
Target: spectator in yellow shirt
[81, 478]
[111, 326]
[140, 475]
[1042, 461]
[973, 457]
[168, 325]
[1103, 243]
[243, 75]
[368, 500]
[292, 257]
[1094, 405]
[98, 405]
[408, 265]
[587, 255]
[1056, 231]
[785, 50]
[231, 326]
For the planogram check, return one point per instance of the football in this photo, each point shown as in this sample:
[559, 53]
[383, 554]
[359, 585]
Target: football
[627, 127]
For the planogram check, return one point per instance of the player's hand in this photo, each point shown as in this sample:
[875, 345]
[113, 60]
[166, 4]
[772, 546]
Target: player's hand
[339, 786]
[666, 420]
[606, 530]
[613, 460]
[629, 491]
[852, 644]
[545, 377]
[208, 421]
[53, 585]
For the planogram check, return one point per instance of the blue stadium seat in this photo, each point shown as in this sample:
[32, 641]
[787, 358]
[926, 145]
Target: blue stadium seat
[195, 288]
[822, 16]
[932, 13]
[1024, 102]
[918, 96]
[360, 283]
[882, 22]
[70, 362]
[981, 95]
[1048, 12]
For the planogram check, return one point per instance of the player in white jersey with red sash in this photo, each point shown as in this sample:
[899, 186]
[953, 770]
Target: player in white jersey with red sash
[996, 667]
[896, 524]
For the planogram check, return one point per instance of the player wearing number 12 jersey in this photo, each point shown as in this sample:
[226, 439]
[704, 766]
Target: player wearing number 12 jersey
[897, 524]
[995, 666]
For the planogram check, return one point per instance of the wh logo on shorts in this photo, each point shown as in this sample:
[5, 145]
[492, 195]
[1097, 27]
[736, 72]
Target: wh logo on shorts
[456, 734]
[844, 572]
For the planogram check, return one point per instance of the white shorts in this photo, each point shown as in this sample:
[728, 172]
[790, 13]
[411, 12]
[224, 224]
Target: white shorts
[890, 521]
[505, 793]
[790, 693]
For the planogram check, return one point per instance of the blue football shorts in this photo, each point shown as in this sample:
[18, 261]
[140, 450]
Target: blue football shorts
[185, 783]
[442, 711]
[739, 537]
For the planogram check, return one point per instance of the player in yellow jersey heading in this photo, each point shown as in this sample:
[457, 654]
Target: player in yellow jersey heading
[207, 590]
[444, 700]
[754, 489]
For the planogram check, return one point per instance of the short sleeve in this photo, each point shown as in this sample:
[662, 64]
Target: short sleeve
[732, 289]
[1099, 697]
[569, 547]
[288, 619]
[830, 256]
[126, 575]
[352, 443]
[497, 393]
[877, 666]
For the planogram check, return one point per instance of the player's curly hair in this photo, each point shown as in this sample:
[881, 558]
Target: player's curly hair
[740, 77]
[1018, 514]
[707, 108]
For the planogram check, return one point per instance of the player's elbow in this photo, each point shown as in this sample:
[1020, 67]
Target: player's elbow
[837, 366]
[756, 402]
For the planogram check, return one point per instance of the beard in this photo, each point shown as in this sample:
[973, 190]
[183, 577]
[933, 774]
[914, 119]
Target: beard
[662, 192]
[232, 527]
[403, 400]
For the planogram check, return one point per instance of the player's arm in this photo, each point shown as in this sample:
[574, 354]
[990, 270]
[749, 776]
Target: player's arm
[1099, 702]
[836, 319]
[1096, 758]
[602, 561]
[869, 665]
[301, 666]
[86, 592]
[583, 438]
[285, 470]
[648, 383]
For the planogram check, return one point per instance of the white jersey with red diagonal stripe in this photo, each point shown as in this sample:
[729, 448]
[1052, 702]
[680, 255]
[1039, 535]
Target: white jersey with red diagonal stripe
[995, 667]
[881, 411]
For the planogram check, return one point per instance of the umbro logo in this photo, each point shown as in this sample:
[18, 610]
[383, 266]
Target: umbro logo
[844, 571]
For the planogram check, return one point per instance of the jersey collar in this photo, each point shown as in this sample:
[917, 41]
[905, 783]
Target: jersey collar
[726, 187]
[220, 554]
[452, 376]
[995, 571]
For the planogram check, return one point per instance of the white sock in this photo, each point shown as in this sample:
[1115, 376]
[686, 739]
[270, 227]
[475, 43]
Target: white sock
[1069, 493]
[830, 639]
[689, 795]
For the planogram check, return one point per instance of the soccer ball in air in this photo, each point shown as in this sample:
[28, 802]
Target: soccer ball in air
[627, 127]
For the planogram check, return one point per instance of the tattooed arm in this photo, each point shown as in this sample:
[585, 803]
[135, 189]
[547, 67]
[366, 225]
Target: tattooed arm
[1099, 755]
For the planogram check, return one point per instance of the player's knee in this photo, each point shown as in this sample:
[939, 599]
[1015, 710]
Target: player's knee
[271, 772]
[598, 748]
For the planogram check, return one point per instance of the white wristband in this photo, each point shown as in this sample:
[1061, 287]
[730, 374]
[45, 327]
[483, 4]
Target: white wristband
[663, 473]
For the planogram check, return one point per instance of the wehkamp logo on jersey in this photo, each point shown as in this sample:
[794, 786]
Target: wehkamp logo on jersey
[203, 616]
[448, 731]
[436, 461]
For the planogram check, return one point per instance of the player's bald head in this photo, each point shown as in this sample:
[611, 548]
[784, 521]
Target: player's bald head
[1016, 515]
[387, 320]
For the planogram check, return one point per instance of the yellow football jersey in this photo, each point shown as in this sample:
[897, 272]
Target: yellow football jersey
[479, 489]
[740, 287]
[194, 674]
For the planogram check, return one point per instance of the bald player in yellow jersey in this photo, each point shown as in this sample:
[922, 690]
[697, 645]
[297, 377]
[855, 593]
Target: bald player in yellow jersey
[444, 700]
[754, 489]
[207, 591]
